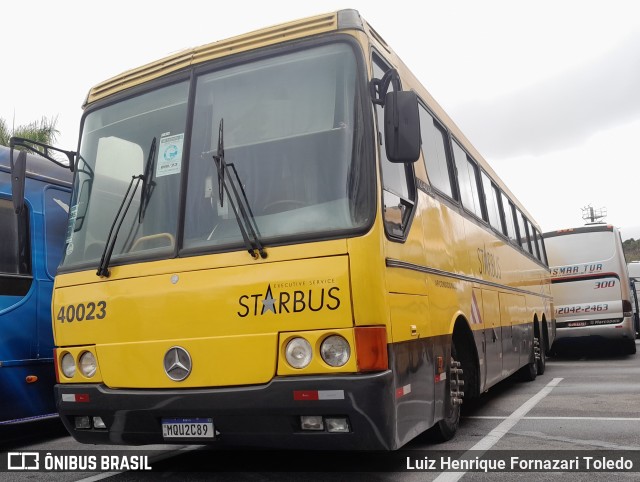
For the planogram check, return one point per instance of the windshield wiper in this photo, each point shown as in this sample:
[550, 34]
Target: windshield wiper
[146, 191]
[103, 267]
[244, 215]
[147, 181]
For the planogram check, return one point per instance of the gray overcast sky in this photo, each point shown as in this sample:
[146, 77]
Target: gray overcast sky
[547, 90]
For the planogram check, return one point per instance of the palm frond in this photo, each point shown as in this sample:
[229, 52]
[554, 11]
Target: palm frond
[4, 133]
[43, 131]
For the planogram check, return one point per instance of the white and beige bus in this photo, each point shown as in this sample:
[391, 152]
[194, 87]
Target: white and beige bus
[590, 285]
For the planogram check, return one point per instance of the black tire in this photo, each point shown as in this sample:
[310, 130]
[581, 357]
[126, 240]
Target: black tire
[529, 372]
[630, 347]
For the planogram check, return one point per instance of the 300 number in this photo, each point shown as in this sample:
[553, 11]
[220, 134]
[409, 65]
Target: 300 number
[605, 284]
[82, 312]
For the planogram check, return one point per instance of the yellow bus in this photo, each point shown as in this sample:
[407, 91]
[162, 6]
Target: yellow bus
[281, 240]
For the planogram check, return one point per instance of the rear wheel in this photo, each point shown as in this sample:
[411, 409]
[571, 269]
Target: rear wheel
[446, 428]
[542, 356]
[529, 372]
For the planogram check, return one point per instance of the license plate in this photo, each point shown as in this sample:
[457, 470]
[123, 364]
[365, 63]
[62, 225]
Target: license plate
[187, 428]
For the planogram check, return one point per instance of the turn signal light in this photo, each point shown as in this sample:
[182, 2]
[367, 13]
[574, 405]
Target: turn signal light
[371, 348]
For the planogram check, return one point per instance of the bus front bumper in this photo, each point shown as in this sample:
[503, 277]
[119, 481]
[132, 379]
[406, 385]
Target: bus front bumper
[250, 416]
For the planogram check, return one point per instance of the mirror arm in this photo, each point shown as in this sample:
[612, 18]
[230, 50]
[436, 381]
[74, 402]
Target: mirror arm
[29, 144]
[19, 165]
[379, 87]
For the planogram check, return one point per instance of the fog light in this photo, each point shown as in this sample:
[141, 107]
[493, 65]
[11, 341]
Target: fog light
[340, 424]
[83, 423]
[311, 422]
[98, 423]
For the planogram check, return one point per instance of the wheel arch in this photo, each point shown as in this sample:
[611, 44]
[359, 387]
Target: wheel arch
[467, 353]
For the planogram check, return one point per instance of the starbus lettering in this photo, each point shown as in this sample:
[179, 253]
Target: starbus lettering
[489, 263]
[283, 302]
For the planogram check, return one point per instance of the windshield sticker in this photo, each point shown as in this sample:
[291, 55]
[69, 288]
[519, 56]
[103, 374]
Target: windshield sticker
[170, 155]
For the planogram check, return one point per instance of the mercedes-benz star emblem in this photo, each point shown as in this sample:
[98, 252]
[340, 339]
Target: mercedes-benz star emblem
[177, 363]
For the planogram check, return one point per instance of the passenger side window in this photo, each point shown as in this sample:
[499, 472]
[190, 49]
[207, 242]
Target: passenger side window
[435, 153]
[538, 245]
[529, 229]
[397, 178]
[493, 208]
[510, 228]
[467, 180]
[523, 232]
[543, 251]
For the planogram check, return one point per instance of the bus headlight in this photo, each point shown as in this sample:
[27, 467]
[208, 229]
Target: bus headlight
[335, 351]
[298, 352]
[88, 364]
[68, 365]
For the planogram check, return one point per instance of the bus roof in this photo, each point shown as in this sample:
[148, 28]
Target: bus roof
[589, 228]
[249, 41]
[38, 168]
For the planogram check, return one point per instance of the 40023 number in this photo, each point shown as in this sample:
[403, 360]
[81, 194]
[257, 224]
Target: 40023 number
[82, 312]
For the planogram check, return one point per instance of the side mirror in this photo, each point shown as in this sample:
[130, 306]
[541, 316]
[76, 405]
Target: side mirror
[402, 126]
[18, 171]
[19, 166]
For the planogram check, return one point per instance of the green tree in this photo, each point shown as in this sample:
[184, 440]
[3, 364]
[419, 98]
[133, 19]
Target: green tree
[43, 130]
[631, 248]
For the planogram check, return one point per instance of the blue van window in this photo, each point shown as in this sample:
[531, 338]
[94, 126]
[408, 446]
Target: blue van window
[9, 240]
[56, 213]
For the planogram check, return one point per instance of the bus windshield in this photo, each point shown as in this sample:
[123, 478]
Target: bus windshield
[580, 247]
[288, 131]
[289, 123]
